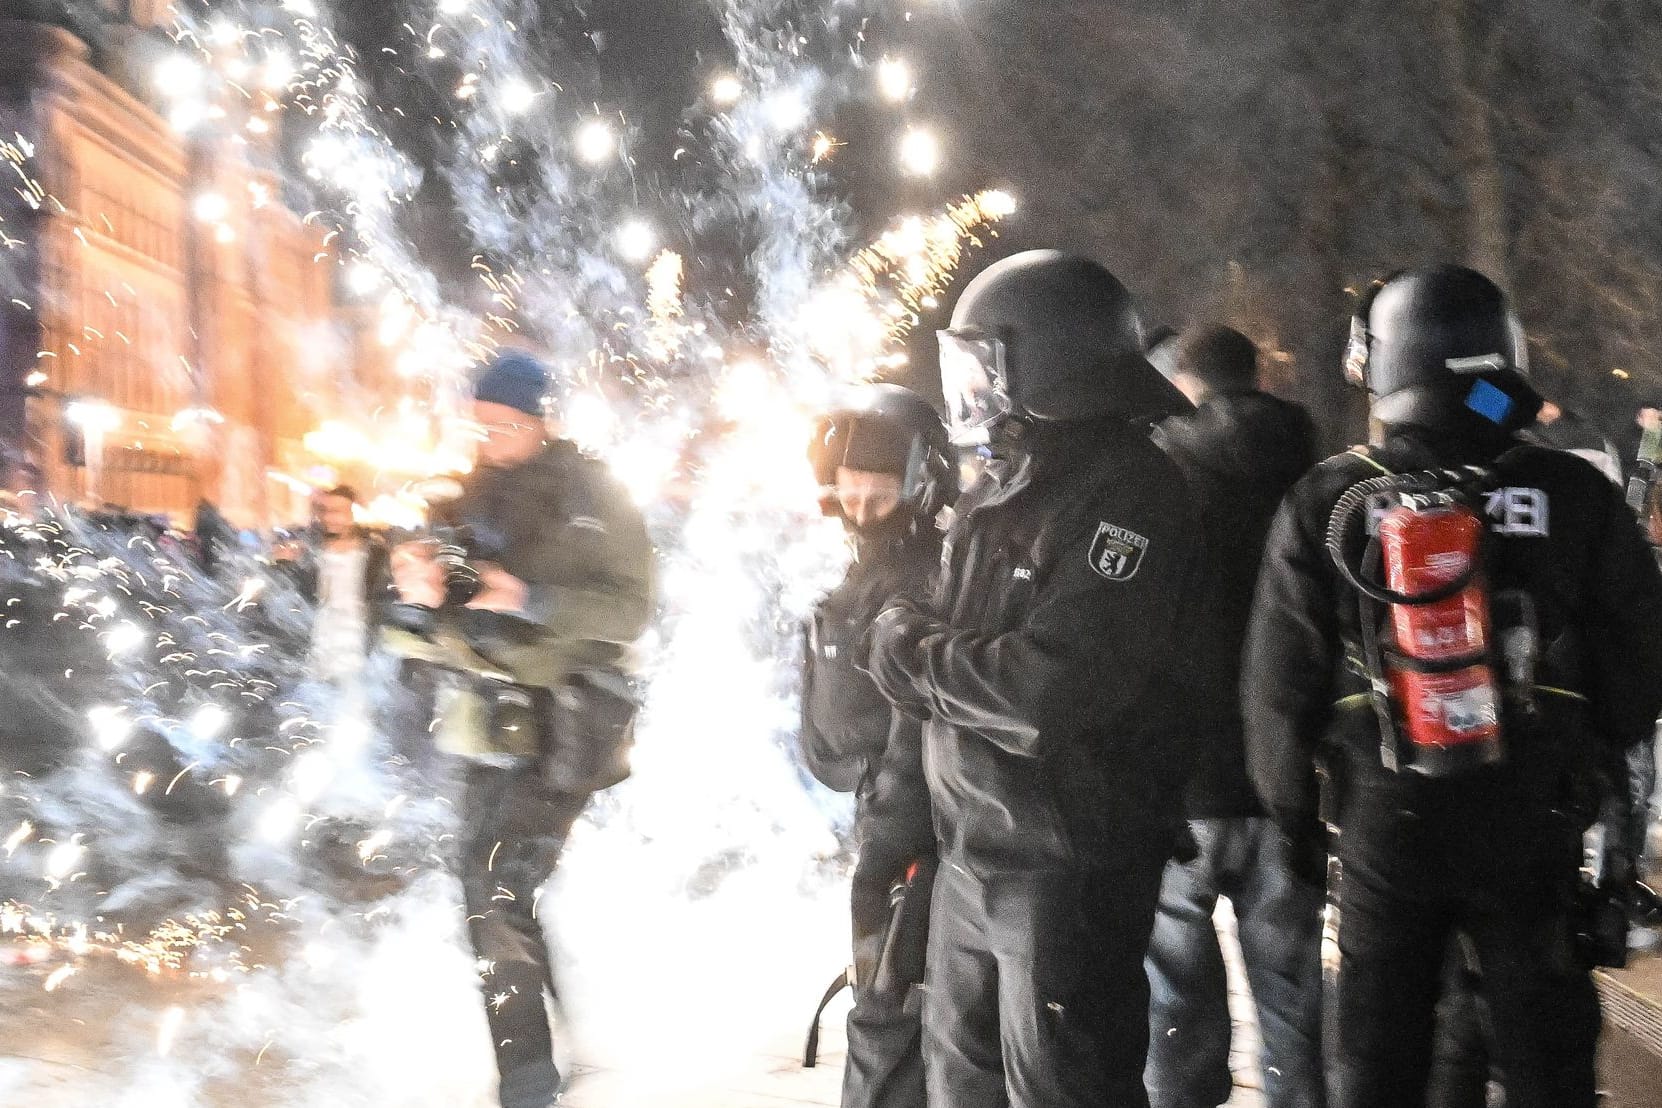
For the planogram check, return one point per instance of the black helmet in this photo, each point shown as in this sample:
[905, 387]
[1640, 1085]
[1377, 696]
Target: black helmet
[1439, 347]
[1049, 337]
[886, 429]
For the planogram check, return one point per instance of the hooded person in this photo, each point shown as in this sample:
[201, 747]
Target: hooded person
[886, 470]
[521, 613]
[1460, 633]
[1241, 450]
[1040, 668]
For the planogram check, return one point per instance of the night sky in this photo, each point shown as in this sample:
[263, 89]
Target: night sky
[1248, 162]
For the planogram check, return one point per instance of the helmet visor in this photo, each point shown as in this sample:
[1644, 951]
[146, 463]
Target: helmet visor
[857, 441]
[973, 384]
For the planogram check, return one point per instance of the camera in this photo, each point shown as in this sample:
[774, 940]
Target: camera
[457, 548]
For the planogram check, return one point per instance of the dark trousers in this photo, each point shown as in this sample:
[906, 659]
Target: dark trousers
[1279, 922]
[1035, 994]
[885, 1034]
[1460, 1053]
[1395, 930]
[516, 827]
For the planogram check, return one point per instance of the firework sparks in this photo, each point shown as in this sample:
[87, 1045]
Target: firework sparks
[207, 726]
[21, 834]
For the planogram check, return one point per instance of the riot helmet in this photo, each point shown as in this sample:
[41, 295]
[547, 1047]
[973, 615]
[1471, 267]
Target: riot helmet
[1047, 337]
[890, 430]
[1440, 348]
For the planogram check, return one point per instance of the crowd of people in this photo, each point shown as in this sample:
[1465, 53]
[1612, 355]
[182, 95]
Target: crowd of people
[1166, 657]
[1113, 646]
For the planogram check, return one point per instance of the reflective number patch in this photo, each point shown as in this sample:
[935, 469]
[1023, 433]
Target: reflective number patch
[1521, 513]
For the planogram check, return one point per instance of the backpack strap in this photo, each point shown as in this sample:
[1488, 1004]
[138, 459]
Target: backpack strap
[810, 1050]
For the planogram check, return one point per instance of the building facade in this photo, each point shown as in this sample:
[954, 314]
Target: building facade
[170, 332]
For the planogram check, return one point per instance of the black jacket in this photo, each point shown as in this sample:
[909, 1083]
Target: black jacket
[845, 719]
[1240, 452]
[1560, 533]
[1041, 665]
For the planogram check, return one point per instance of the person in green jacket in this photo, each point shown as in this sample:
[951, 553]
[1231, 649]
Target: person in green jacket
[520, 613]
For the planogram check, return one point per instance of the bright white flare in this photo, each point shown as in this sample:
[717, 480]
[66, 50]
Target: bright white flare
[920, 152]
[222, 32]
[518, 97]
[998, 204]
[110, 727]
[93, 415]
[363, 278]
[178, 76]
[726, 90]
[787, 111]
[209, 721]
[63, 858]
[277, 71]
[894, 79]
[123, 639]
[595, 142]
[636, 240]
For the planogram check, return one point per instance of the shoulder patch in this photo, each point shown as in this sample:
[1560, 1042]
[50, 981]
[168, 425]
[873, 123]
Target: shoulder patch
[1117, 553]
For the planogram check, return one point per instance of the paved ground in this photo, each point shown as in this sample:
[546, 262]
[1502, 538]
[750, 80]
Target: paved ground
[57, 1049]
[1630, 1059]
[101, 1038]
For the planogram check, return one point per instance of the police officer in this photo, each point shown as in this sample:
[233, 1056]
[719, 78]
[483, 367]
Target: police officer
[531, 697]
[1241, 450]
[885, 469]
[1459, 812]
[1038, 669]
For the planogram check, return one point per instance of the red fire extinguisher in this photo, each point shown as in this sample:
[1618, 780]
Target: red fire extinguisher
[1439, 675]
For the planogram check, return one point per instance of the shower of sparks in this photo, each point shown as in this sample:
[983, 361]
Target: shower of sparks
[196, 946]
[664, 302]
[206, 748]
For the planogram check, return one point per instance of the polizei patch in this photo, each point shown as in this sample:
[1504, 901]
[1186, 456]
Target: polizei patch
[1116, 553]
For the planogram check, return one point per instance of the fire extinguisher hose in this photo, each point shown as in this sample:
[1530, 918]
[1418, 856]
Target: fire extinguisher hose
[1354, 502]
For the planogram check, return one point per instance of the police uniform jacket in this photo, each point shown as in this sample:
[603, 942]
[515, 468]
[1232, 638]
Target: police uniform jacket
[845, 717]
[1040, 666]
[1558, 532]
[852, 739]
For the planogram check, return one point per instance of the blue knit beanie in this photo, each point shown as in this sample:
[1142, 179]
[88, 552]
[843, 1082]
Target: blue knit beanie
[514, 379]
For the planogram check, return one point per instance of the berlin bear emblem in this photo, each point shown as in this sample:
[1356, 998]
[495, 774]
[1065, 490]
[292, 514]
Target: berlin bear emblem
[1116, 553]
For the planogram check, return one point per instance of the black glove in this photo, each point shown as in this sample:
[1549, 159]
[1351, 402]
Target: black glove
[891, 649]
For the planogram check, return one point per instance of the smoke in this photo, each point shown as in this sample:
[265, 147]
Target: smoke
[275, 855]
